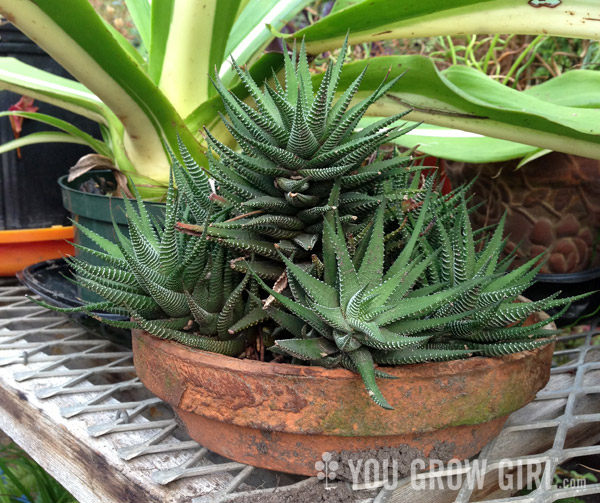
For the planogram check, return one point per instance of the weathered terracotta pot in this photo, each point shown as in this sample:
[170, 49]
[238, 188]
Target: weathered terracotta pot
[284, 417]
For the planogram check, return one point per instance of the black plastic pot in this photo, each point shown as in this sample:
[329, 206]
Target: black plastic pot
[29, 197]
[52, 281]
[569, 284]
[96, 212]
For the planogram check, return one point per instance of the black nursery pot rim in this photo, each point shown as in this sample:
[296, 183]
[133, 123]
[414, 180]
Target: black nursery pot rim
[50, 281]
[571, 277]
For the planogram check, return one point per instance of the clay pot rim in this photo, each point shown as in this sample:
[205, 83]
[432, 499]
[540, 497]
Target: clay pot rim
[472, 364]
[214, 360]
[452, 367]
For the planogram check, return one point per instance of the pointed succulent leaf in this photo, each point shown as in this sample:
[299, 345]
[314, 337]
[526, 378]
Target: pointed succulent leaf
[333, 316]
[468, 242]
[346, 341]
[104, 306]
[194, 262]
[106, 272]
[412, 327]
[506, 348]
[304, 77]
[297, 309]
[420, 355]
[381, 124]
[196, 201]
[272, 231]
[391, 341]
[306, 241]
[105, 244]
[264, 105]
[281, 156]
[144, 225]
[215, 284]
[274, 131]
[288, 184]
[265, 270]
[308, 349]
[124, 324]
[142, 248]
[317, 116]
[117, 262]
[226, 317]
[340, 107]
[270, 203]
[353, 309]
[168, 251]
[236, 108]
[264, 248]
[514, 276]
[336, 72]
[286, 222]
[394, 289]
[230, 348]
[135, 289]
[289, 322]
[314, 214]
[421, 306]
[141, 303]
[253, 318]
[346, 273]
[262, 166]
[286, 110]
[329, 259]
[326, 173]
[145, 221]
[402, 260]
[301, 142]
[300, 200]
[363, 362]
[512, 312]
[370, 271]
[207, 321]
[315, 289]
[173, 303]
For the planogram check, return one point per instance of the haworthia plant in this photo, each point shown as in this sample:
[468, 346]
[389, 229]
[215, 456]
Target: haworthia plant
[314, 244]
[431, 303]
[359, 311]
[294, 145]
[174, 286]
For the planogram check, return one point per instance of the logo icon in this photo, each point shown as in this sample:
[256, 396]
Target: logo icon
[326, 469]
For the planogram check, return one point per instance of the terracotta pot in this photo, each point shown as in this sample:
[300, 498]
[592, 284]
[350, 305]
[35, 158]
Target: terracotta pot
[284, 417]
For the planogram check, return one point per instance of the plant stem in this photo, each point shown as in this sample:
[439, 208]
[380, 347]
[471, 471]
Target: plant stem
[521, 57]
[489, 53]
[452, 49]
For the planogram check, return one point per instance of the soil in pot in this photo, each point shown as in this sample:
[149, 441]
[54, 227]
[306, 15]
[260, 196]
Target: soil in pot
[284, 417]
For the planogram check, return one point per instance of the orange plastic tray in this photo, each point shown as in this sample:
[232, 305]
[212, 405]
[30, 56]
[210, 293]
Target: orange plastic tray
[23, 247]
